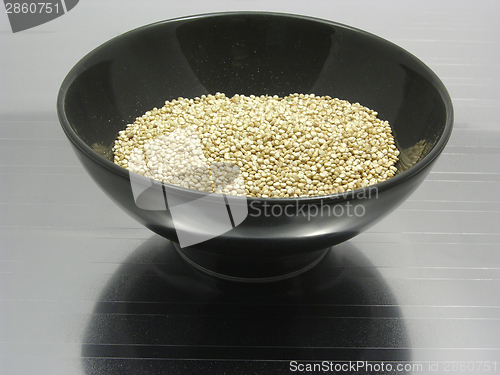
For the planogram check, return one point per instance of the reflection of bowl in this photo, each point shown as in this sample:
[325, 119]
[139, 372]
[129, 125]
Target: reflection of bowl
[158, 313]
[255, 53]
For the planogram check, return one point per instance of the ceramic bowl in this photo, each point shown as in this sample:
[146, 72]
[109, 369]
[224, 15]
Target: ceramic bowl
[253, 239]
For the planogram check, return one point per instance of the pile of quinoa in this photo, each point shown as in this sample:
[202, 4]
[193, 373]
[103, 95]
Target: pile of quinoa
[260, 146]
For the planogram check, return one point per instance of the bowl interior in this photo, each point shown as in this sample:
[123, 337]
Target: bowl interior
[253, 54]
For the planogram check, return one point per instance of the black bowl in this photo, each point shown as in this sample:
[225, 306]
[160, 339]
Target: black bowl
[253, 53]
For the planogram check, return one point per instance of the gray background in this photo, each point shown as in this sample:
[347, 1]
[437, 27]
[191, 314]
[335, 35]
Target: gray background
[61, 238]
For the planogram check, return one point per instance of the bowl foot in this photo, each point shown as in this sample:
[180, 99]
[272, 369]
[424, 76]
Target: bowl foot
[246, 269]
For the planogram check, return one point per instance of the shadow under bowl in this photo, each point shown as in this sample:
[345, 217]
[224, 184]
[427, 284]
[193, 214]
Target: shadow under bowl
[253, 53]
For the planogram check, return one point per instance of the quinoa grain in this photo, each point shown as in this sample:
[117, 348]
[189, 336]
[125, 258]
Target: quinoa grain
[265, 146]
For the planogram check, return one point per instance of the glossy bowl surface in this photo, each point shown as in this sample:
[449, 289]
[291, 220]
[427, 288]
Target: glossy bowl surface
[256, 53]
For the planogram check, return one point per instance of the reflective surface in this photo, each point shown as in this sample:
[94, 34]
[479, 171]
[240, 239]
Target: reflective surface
[72, 263]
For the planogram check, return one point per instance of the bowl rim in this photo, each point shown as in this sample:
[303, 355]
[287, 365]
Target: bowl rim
[342, 196]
